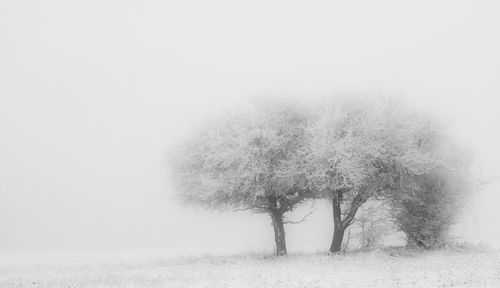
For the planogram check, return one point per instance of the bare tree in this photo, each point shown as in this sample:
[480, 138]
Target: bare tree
[373, 222]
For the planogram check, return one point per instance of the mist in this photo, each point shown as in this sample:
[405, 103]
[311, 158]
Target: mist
[94, 94]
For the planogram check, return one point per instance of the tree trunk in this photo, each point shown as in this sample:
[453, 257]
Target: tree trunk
[338, 235]
[341, 224]
[279, 232]
[338, 228]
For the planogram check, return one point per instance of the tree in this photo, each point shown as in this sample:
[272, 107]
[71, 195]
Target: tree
[247, 161]
[427, 216]
[361, 149]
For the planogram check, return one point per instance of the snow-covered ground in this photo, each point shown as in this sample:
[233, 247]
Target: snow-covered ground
[379, 268]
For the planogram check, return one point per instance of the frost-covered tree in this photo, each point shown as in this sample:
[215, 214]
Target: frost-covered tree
[275, 155]
[440, 192]
[364, 148]
[248, 160]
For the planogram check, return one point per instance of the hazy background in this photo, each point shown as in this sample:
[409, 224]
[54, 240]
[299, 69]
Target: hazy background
[93, 94]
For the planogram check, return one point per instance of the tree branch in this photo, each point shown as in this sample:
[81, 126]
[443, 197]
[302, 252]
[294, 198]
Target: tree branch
[299, 221]
[286, 204]
[360, 198]
[243, 209]
[255, 208]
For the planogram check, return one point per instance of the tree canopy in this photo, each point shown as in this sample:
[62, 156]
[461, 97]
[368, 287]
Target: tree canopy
[239, 160]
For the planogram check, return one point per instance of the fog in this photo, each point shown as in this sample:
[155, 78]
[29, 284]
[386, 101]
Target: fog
[93, 94]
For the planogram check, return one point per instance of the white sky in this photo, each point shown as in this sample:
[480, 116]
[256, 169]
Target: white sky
[92, 94]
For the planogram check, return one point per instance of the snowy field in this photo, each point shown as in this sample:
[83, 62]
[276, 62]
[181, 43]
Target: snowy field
[379, 268]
